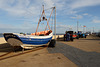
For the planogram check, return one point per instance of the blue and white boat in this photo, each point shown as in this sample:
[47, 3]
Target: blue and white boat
[23, 40]
[35, 39]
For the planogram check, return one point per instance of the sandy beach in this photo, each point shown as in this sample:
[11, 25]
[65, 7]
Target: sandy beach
[90, 44]
[84, 52]
[37, 59]
[58, 36]
[2, 40]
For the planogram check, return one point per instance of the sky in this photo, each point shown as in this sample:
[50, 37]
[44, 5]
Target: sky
[22, 15]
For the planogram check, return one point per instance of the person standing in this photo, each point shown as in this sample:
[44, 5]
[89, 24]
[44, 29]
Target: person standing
[67, 36]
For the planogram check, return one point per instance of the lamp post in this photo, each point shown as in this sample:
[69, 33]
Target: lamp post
[55, 24]
[77, 26]
[83, 29]
[93, 29]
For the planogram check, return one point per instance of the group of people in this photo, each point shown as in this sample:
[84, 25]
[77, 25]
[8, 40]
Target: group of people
[68, 37]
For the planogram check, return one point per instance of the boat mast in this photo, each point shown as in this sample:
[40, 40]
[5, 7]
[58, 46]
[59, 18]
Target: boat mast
[49, 19]
[42, 15]
[44, 18]
[39, 20]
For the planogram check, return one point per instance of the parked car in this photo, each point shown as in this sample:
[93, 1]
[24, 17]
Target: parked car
[98, 34]
[83, 36]
[87, 34]
[75, 36]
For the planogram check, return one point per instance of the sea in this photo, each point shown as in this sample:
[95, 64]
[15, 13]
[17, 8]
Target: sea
[1, 35]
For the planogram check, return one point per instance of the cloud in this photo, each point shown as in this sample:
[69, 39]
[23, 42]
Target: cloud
[81, 16]
[5, 26]
[49, 3]
[20, 8]
[85, 14]
[96, 21]
[25, 27]
[77, 17]
[31, 8]
[84, 3]
[62, 28]
[74, 6]
[24, 8]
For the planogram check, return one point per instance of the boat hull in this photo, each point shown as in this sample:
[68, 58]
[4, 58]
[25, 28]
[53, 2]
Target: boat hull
[34, 41]
[20, 39]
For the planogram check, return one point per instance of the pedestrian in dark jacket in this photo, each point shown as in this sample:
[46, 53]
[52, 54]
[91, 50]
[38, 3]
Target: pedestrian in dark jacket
[67, 36]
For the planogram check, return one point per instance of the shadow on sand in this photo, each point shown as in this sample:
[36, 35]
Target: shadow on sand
[79, 57]
[91, 39]
[5, 47]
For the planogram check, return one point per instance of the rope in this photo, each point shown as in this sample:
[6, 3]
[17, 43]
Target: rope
[49, 20]
[43, 14]
[52, 21]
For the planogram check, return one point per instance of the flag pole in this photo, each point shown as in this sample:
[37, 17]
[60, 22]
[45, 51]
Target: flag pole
[83, 29]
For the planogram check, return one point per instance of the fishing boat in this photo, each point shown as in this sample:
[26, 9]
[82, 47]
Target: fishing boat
[35, 39]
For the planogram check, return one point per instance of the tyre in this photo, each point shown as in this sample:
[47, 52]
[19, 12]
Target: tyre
[77, 37]
[52, 43]
[71, 39]
[85, 36]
